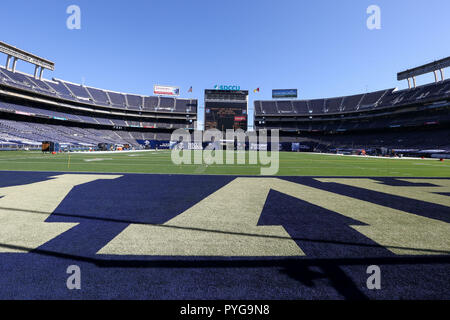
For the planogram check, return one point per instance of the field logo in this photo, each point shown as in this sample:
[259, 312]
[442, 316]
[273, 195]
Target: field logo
[74, 20]
[207, 148]
[374, 20]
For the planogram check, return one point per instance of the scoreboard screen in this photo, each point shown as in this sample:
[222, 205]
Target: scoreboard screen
[226, 110]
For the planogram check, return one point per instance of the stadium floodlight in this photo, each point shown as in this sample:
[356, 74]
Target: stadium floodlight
[19, 54]
[435, 66]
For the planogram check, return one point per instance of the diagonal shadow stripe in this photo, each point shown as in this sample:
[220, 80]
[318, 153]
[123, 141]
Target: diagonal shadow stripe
[230, 262]
[224, 232]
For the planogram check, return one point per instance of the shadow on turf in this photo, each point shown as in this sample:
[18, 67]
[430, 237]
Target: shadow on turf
[298, 269]
[302, 269]
[430, 251]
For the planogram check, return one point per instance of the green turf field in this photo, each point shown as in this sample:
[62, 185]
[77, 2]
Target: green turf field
[291, 164]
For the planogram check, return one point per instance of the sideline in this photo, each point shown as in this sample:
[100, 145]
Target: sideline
[373, 157]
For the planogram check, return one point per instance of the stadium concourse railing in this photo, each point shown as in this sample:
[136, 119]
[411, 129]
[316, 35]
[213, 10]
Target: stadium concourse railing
[7, 146]
[22, 110]
[38, 147]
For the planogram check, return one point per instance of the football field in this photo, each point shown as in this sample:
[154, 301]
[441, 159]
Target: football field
[136, 226]
[159, 162]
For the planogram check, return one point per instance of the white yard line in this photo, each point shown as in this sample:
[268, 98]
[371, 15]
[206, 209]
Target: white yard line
[110, 152]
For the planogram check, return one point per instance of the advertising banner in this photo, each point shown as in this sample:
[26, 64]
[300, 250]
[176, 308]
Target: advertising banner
[284, 93]
[166, 90]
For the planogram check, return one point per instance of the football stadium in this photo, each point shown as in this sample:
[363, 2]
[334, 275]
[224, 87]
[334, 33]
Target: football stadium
[220, 193]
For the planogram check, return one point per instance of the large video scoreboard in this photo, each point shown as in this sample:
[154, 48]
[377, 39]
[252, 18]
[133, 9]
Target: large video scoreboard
[226, 109]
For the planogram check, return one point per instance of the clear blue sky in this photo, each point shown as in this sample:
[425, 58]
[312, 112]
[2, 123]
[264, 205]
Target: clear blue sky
[323, 48]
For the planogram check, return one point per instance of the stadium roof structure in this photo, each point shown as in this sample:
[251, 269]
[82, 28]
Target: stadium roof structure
[434, 66]
[19, 54]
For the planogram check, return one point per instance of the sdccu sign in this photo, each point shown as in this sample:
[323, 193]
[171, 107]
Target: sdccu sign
[227, 88]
